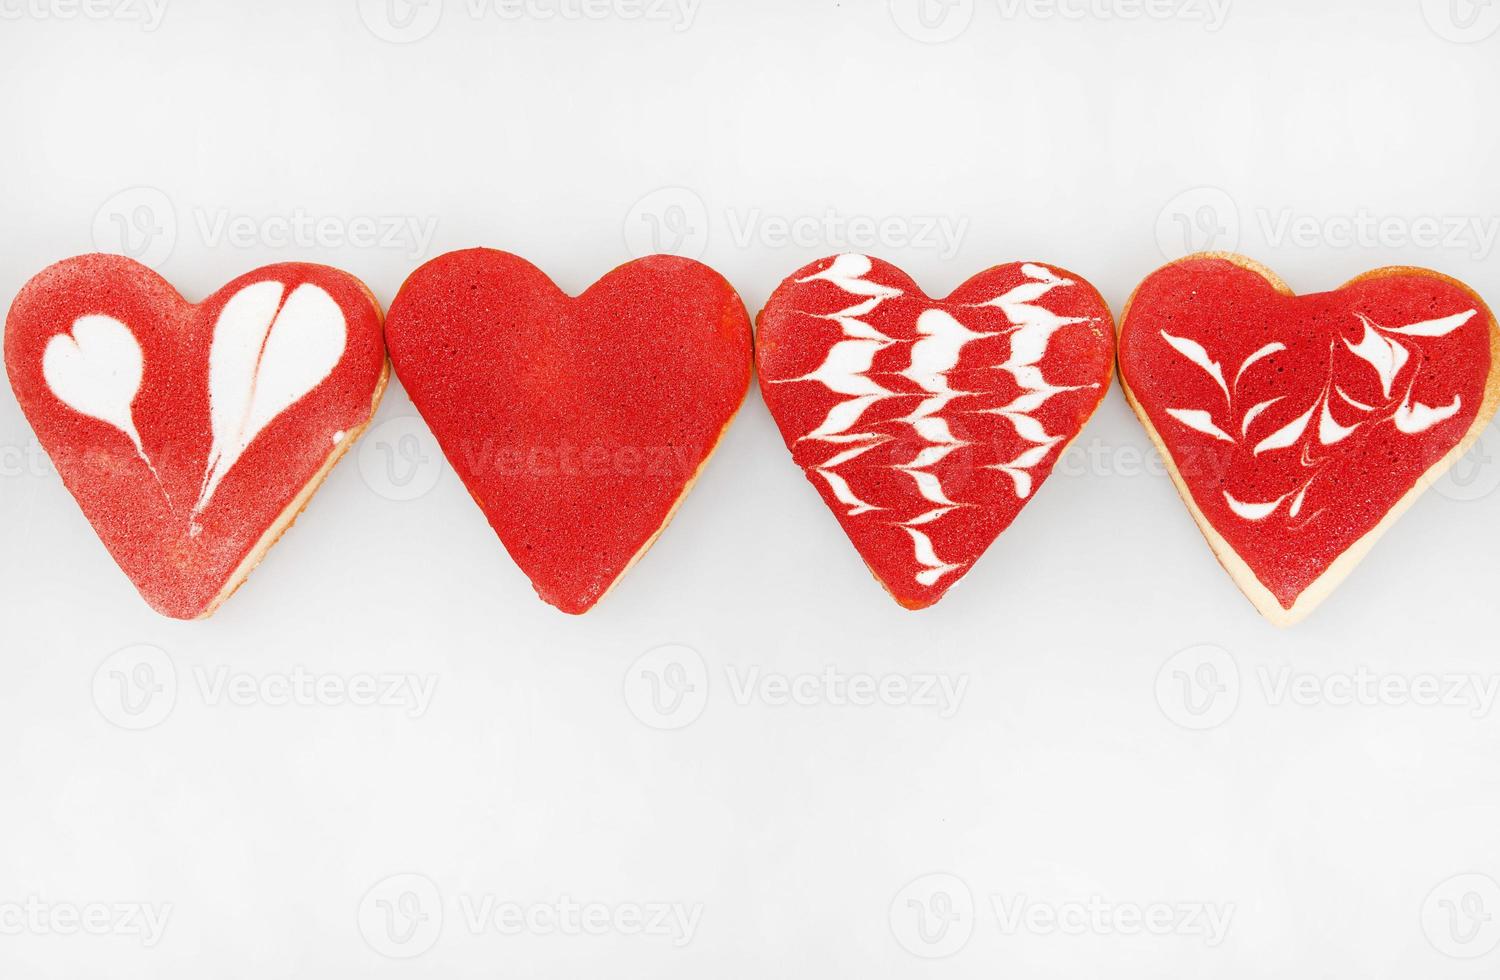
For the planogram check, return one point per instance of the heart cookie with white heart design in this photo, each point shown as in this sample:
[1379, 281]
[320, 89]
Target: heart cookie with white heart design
[1299, 428]
[193, 435]
[578, 424]
[927, 424]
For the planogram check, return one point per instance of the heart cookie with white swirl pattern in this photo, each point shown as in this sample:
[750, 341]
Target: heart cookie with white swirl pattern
[193, 435]
[927, 424]
[1299, 428]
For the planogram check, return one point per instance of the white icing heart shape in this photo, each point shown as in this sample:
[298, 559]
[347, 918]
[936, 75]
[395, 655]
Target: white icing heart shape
[266, 355]
[192, 435]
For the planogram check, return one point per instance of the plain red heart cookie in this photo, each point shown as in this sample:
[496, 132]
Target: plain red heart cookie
[1298, 428]
[578, 424]
[193, 435]
[927, 424]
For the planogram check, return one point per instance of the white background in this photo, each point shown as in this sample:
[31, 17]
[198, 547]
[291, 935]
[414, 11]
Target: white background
[1088, 760]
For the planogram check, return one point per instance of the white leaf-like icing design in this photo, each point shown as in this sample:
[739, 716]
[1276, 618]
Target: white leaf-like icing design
[1378, 348]
[1035, 325]
[933, 567]
[1287, 435]
[845, 495]
[1264, 352]
[1196, 418]
[1383, 354]
[937, 353]
[929, 486]
[1020, 478]
[1255, 411]
[1329, 430]
[854, 327]
[1032, 400]
[846, 370]
[1298, 501]
[1018, 468]
[840, 487]
[848, 272]
[1440, 327]
[1353, 402]
[1044, 280]
[1031, 457]
[1413, 418]
[266, 356]
[1253, 512]
[935, 430]
[1029, 428]
[96, 371]
[1193, 351]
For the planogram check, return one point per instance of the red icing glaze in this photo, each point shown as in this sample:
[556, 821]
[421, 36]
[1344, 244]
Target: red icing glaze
[178, 556]
[928, 424]
[576, 423]
[1318, 468]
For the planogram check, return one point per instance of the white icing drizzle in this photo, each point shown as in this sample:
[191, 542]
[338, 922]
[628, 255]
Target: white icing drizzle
[1253, 512]
[1412, 418]
[933, 567]
[1266, 351]
[1329, 430]
[1254, 413]
[1440, 327]
[848, 272]
[1382, 353]
[1287, 435]
[1193, 351]
[1377, 346]
[846, 370]
[1034, 327]
[1197, 418]
[1352, 402]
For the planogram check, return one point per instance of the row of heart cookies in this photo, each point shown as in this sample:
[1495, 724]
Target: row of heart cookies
[1296, 428]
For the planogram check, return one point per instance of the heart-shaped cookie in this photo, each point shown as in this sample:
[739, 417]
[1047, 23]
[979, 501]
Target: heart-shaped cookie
[193, 435]
[927, 424]
[577, 424]
[1298, 428]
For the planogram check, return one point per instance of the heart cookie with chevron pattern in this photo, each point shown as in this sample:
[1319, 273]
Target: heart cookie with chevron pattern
[1299, 428]
[927, 424]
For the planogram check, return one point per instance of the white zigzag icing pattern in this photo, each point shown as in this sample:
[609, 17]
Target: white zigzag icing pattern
[847, 371]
